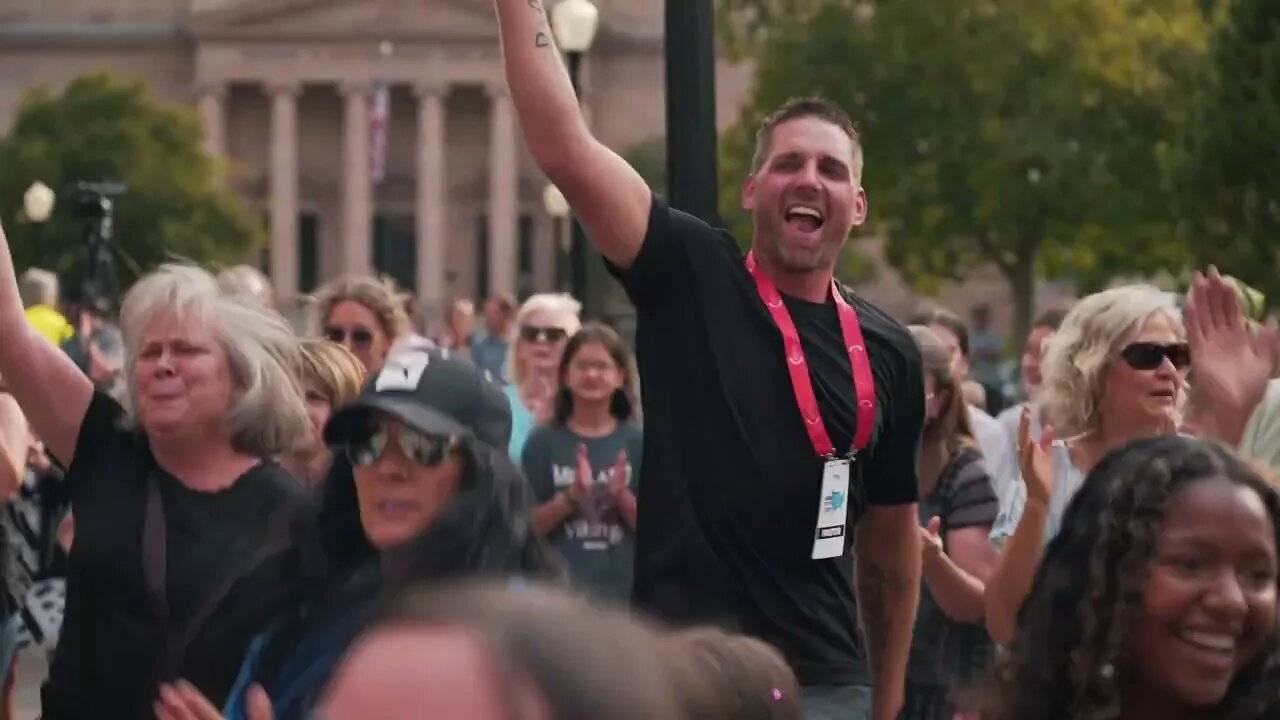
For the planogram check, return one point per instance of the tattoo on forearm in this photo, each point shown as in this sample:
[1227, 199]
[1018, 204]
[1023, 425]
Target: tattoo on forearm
[543, 38]
[879, 591]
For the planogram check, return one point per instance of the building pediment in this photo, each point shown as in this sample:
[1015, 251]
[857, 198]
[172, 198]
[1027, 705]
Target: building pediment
[287, 20]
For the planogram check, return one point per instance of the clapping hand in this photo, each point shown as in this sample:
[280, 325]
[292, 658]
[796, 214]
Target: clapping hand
[1035, 459]
[583, 478]
[618, 476]
[931, 539]
[541, 402]
[1230, 363]
[182, 701]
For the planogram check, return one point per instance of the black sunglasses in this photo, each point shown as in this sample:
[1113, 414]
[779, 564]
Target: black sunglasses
[535, 333]
[1149, 355]
[426, 450]
[360, 337]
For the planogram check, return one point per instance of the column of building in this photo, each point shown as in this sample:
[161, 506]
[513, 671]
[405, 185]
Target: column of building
[213, 116]
[357, 181]
[283, 181]
[431, 196]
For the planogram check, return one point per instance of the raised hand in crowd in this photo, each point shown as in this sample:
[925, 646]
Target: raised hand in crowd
[1231, 362]
[1035, 459]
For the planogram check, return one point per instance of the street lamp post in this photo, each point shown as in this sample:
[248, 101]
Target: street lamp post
[691, 107]
[574, 23]
[558, 209]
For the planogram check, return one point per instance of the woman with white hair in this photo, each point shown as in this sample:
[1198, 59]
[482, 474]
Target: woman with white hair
[544, 324]
[184, 525]
[1114, 372]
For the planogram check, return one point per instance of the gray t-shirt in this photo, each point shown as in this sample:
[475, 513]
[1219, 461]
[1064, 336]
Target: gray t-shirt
[596, 544]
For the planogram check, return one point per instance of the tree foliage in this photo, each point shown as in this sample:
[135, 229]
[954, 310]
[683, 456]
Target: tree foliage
[1032, 134]
[649, 159]
[100, 128]
[1230, 178]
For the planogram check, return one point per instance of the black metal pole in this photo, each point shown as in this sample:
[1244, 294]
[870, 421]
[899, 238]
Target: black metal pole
[578, 238]
[691, 107]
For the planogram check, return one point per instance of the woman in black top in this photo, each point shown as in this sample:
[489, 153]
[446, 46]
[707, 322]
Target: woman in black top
[957, 508]
[183, 525]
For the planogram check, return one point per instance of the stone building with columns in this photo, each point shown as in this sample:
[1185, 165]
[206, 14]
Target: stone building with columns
[285, 89]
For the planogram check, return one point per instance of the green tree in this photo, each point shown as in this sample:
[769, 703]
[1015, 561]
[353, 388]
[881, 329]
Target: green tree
[1230, 180]
[100, 128]
[1023, 133]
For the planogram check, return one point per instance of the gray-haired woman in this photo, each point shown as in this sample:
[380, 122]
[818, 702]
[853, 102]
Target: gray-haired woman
[184, 526]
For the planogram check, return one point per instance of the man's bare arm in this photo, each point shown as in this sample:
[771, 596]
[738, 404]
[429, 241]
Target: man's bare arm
[888, 590]
[607, 195]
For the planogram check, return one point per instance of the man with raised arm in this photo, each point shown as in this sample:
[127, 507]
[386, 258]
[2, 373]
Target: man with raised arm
[781, 410]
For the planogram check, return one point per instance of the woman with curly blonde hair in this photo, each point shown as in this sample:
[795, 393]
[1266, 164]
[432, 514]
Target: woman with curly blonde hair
[1114, 372]
[365, 314]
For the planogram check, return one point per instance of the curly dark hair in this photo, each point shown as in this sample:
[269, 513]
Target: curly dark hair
[1073, 623]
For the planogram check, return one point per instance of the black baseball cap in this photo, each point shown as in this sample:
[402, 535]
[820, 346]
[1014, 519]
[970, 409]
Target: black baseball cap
[432, 391]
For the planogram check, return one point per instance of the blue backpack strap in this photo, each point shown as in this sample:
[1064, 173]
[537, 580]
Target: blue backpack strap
[310, 665]
[235, 705]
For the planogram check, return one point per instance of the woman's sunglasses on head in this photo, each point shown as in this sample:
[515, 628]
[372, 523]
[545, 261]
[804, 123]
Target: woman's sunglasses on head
[1149, 355]
[541, 334]
[360, 337]
[422, 448]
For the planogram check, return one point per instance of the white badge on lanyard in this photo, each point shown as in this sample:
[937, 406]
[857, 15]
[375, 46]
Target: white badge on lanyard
[833, 509]
[833, 502]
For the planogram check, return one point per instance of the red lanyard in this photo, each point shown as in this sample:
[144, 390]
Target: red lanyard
[863, 381]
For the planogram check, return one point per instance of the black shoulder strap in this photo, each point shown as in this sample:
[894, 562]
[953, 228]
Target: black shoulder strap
[155, 560]
[175, 640]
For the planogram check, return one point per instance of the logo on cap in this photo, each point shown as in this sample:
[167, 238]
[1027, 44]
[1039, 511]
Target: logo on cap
[402, 372]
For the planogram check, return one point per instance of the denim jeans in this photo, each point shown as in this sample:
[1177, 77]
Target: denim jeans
[839, 702]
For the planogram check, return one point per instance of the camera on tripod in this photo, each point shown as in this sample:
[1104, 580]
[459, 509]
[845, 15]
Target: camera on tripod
[93, 205]
[92, 201]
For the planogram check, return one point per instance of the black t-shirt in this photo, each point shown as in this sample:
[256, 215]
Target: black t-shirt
[106, 663]
[728, 510]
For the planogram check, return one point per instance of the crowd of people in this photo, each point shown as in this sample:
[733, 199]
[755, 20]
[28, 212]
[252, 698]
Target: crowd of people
[212, 514]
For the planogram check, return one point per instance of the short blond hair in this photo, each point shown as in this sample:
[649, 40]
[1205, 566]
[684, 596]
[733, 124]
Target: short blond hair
[379, 296]
[38, 286]
[1077, 356]
[561, 306]
[332, 369]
